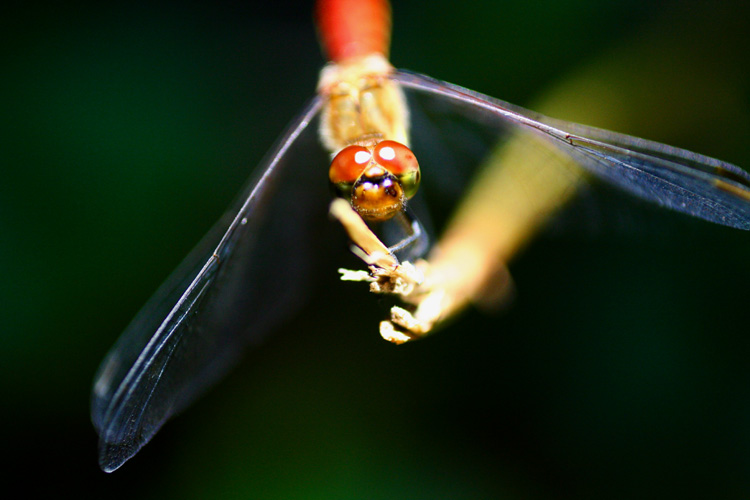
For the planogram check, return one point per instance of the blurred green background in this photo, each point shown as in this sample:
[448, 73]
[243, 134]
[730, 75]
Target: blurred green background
[619, 372]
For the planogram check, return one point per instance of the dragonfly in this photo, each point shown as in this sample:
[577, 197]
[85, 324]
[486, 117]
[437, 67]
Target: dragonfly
[233, 290]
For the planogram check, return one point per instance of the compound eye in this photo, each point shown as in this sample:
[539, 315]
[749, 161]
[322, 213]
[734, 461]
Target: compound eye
[349, 164]
[395, 157]
[401, 162]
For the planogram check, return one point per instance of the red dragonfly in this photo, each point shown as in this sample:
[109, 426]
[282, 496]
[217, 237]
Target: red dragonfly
[225, 296]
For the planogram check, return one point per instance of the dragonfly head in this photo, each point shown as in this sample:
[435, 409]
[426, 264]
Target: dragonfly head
[376, 180]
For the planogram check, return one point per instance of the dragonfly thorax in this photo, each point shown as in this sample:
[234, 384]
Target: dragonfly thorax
[362, 101]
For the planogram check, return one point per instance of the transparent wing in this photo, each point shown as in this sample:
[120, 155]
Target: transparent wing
[674, 178]
[244, 277]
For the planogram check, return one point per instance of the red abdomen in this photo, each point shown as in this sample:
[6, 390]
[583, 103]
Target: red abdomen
[353, 28]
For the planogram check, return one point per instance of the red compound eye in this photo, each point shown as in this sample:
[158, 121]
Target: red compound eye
[396, 157]
[349, 164]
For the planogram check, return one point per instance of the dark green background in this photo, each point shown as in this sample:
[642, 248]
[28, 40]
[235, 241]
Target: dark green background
[619, 372]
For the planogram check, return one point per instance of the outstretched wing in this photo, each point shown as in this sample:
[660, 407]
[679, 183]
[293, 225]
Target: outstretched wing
[243, 278]
[674, 178]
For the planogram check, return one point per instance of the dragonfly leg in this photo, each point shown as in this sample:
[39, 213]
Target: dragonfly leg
[416, 240]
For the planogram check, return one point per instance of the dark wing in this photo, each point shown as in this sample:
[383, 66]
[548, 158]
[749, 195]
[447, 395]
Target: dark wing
[243, 277]
[674, 178]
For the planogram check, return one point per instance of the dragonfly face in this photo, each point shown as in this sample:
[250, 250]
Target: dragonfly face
[377, 180]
